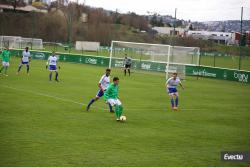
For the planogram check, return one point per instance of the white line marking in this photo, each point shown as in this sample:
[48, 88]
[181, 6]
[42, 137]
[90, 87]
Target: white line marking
[51, 96]
[83, 104]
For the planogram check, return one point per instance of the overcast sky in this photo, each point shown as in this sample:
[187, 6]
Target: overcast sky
[196, 10]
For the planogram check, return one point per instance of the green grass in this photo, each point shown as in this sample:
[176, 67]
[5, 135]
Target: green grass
[42, 124]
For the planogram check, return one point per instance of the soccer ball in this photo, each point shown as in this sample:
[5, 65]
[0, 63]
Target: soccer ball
[123, 118]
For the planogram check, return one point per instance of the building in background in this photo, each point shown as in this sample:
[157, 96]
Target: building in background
[170, 31]
[218, 37]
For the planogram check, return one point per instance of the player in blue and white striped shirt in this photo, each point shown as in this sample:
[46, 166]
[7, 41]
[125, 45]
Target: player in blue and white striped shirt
[103, 85]
[171, 86]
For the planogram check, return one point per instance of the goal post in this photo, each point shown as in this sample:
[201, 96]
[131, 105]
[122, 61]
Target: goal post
[153, 57]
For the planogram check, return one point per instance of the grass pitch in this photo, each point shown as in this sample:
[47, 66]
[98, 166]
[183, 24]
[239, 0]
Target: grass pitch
[43, 123]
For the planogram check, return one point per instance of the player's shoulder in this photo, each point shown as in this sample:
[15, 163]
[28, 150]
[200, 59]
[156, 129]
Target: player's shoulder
[103, 76]
[169, 79]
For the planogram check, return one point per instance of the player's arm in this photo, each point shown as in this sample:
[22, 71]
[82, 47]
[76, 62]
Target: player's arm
[99, 83]
[29, 58]
[100, 86]
[124, 63]
[167, 82]
[181, 85]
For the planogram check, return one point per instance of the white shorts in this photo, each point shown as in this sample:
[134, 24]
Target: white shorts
[6, 64]
[114, 102]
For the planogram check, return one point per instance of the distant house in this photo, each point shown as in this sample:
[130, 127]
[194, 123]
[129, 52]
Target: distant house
[21, 9]
[170, 31]
[218, 37]
[248, 38]
[236, 38]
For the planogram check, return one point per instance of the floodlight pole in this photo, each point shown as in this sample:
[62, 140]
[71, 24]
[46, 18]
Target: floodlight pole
[111, 53]
[175, 19]
[241, 18]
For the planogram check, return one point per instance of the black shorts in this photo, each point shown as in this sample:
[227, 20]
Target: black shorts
[127, 65]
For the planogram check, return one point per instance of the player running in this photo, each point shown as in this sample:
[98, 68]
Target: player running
[5, 61]
[171, 86]
[52, 62]
[25, 61]
[103, 85]
[127, 64]
[111, 97]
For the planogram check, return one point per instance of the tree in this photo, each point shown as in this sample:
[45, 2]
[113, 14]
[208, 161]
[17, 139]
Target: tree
[153, 20]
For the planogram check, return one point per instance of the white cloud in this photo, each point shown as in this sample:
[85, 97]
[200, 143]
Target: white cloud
[196, 10]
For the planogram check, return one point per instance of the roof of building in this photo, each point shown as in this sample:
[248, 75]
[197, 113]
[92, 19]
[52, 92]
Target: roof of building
[28, 8]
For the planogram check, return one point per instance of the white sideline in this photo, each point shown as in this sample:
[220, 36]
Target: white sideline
[83, 104]
[47, 95]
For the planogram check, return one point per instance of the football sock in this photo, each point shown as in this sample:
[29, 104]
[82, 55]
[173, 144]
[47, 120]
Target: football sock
[6, 69]
[129, 72]
[50, 76]
[120, 109]
[117, 111]
[125, 72]
[28, 68]
[172, 102]
[91, 102]
[19, 68]
[56, 76]
[176, 101]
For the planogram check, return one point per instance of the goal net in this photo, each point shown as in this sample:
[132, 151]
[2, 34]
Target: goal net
[154, 57]
[18, 42]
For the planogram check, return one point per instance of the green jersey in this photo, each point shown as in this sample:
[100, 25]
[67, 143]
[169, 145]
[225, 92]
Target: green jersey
[111, 92]
[6, 55]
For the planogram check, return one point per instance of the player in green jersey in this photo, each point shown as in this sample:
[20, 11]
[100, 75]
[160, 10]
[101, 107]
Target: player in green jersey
[5, 61]
[111, 97]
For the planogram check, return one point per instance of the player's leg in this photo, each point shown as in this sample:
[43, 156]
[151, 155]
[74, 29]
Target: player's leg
[3, 66]
[56, 78]
[98, 95]
[110, 108]
[50, 75]
[112, 103]
[129, 70]
[91, 102]
[6, 66]
[118, 109]
[28, 68]
[172, 100]
[176, 100]
[19, 68]
[171, 95]
[125, 71]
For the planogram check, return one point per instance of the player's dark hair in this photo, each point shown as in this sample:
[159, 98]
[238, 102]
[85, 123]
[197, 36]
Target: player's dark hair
[115, 79]
[108, 69]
